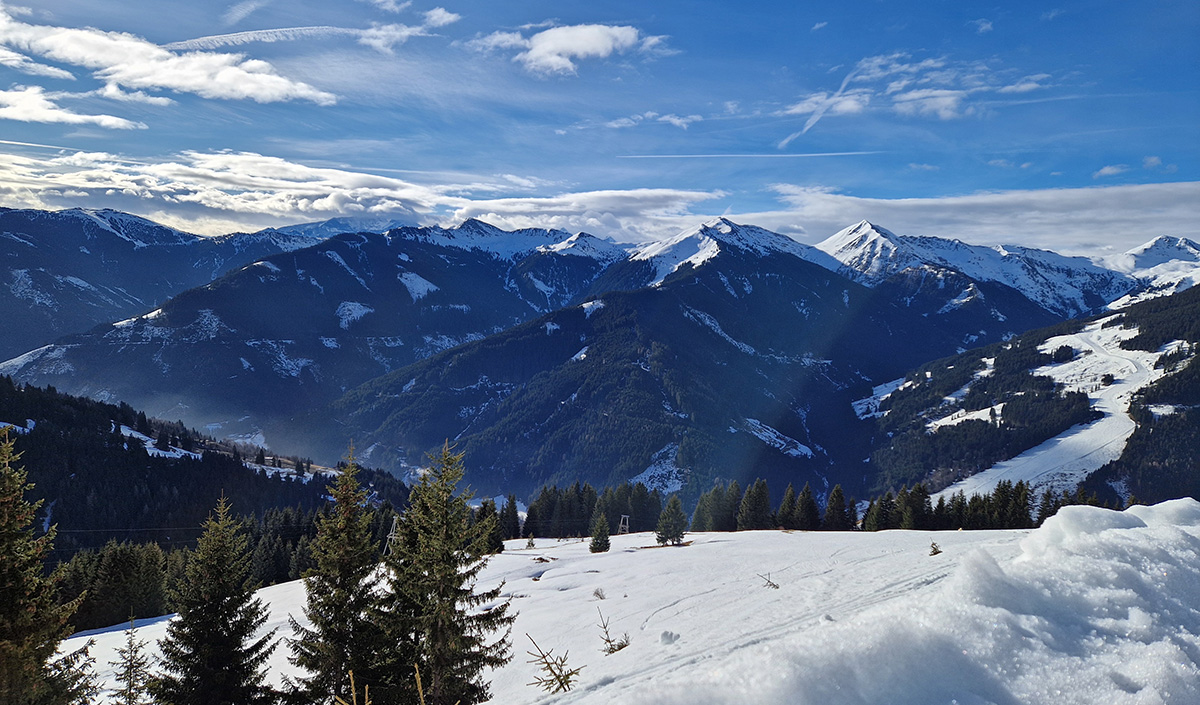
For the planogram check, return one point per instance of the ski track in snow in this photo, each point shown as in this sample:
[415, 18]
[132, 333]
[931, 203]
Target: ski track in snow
[1095, 607]
[1063, 461]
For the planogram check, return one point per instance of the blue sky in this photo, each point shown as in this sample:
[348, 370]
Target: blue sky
[1070, 125]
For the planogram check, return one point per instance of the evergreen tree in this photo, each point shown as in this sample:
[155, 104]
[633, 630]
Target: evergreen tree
[808, 514]
[600, 543]
[1047, 507]
[510, 519]
[133, 670]
[702, 517]
[726, 518]
[431, 616]
[787, 509]
[835, 512]
[487, 513]
[672, 523]
[754, 513]
[210, 655]
[32, 622]
[340, 592]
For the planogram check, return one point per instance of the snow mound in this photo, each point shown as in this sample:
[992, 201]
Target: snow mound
[1099, 608]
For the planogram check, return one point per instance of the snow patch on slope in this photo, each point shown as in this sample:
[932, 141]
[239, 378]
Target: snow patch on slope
[780, 442]
[350, 311]
[1063, 461]
[418, 287]
[663, 474]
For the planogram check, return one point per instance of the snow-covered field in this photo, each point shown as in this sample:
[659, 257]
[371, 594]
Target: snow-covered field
[1062, 462]
[1094, 607]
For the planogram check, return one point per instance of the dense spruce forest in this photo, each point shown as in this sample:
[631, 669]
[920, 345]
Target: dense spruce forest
[100, 484]
[1035, 409]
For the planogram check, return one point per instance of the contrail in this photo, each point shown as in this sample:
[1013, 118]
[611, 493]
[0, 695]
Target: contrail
[744, 156]
[284, 34]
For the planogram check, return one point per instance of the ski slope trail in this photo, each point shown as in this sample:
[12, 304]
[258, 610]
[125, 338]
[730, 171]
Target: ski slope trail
[1062, 462]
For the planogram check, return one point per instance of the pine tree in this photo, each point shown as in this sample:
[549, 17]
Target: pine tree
[787, 509]
[510, 519]
[431, 616]
[672, 523]
[340, 593]
[32, 622]
[808, 514]
[835, 512]
[754, 513]
[133, 670]
[487, 513]
[726, 518]
[210, 655]
[600, 543]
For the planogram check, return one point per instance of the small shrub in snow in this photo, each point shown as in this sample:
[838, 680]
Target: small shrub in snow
[611, 645]
[558, 677]
[598, 593]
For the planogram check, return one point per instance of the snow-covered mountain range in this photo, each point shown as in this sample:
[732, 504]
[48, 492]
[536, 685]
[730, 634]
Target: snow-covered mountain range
[281, 343]
[66, 271]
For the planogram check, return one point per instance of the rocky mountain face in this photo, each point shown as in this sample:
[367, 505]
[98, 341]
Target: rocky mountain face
[293, 331]
[66, 271]
[739, 362]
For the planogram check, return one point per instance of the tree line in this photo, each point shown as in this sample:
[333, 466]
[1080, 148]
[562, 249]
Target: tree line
[412, 616]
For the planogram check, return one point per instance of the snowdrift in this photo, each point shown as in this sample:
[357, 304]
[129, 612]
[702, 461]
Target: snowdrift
[1096, 606]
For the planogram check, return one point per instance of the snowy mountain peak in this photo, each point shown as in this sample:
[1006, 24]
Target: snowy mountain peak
[1155, 253]
[1067, 286]
[698, 245]
[585, 245]
[1165, 264]
[134, 229]
[869, 252]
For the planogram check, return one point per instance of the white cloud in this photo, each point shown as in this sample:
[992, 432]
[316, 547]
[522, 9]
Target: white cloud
[22, 63]
[942, 102]
[680, 121]
[226, 191]
[440, 17]
[556, 50]
[390, 5]
[1110, 170]
[819, 25]
[635, 215]
[981, 26]
[132, 62]
[31, 104]
[1070, 220]
[1029, 83]
[113, 92]
[383, 37]
[240, 11]
[923, 167]
[1151, 162]
[848, 103]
